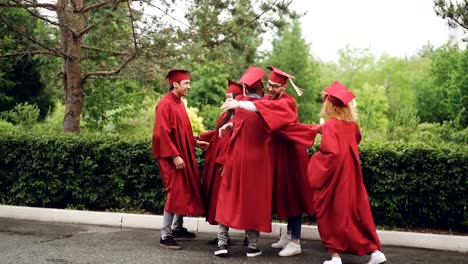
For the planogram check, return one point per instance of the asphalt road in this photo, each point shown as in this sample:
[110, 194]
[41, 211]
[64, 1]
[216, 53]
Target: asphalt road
[45, 243]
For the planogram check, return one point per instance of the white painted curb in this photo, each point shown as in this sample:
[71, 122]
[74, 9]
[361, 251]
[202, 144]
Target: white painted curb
[198, 224]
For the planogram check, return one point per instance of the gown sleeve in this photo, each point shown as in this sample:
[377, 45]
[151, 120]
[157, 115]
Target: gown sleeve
[277, 113]
[323, 163]
[163, 133]
[303, 134]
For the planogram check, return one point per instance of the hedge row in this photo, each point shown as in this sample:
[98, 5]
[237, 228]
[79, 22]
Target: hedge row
[409, 185]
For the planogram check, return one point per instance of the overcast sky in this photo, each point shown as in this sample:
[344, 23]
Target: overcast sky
[398, 27]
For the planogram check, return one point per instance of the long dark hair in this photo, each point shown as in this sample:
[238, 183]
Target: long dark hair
[229, 114]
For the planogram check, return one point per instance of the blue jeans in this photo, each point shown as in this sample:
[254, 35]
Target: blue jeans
[294, 224]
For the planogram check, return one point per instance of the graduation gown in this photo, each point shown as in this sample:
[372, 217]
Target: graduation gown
[343, 212]
[173, 136]
[290, 158]
[211, 175]
[245, 195]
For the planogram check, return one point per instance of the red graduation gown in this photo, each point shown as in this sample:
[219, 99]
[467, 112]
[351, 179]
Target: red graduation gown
[173, 136]
[343, 212]
[211, 175]
[290, 169]
[245, 195]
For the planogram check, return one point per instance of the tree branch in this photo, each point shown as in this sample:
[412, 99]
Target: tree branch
[16, 31]
[132, 19]
[22, 53]
[216, 43]
[84, 30]
[167, 14]
[114, 53]
[42, 18]
[51, 7]
[96, 5]
[109, 73]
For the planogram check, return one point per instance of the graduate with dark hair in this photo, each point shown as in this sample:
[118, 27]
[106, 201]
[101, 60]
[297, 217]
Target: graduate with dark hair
[279, 112]
[174, 150]
[214, 157]
[245, 195]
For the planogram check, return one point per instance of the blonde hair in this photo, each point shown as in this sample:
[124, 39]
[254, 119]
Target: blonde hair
[346, 113]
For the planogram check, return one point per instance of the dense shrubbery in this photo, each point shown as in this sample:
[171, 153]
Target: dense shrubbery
[410, 185]
[417, 185]
[78, 171]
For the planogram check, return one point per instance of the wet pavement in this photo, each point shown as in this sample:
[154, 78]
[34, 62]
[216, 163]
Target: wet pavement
[43, 242]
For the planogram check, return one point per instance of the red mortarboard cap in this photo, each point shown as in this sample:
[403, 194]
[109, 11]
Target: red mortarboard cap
[177, 75]
[234, 87]
[252, 76]
[278, 76]
[340, 92]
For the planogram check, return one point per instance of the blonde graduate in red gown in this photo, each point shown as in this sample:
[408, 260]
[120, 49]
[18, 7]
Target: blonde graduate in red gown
[343, 212]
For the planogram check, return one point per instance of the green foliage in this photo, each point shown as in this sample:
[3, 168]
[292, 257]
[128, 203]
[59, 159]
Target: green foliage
[433, 132]
[291, 54]
[444, 96]
[417, 185]
[196, 120]
[229, 31]
[109, 101]
[6, 127]
[209, 84]
[455, 12]
[210, 115]
[372, 107]
[23, 114]
[79, 171]
[20, 78]
[409, 185]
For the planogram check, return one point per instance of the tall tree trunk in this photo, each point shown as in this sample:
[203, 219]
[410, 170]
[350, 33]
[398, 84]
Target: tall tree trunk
[71, 44]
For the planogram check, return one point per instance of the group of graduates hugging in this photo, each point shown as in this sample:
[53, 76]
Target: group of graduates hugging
[257, 165]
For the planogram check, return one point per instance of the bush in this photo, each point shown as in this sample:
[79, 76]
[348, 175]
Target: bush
[79, 171]
[409, 185]
[417, 185]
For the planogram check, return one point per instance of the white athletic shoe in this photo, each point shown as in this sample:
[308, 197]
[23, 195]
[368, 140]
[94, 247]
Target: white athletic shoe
[284, 240]
[290, 249]
[334, 260]
[377, 258]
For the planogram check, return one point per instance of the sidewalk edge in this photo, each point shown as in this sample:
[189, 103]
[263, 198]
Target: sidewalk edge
[198, 224]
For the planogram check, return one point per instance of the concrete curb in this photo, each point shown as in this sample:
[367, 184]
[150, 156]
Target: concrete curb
[198, 224]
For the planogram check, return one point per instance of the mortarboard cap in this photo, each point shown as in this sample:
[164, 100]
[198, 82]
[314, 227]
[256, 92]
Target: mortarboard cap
[278, 76]
[338, 91]
[252, 76]
[281, 77]
[176, 75]
[234, 87]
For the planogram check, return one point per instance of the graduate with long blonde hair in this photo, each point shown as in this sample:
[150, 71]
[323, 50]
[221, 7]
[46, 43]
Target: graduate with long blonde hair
[342, 208]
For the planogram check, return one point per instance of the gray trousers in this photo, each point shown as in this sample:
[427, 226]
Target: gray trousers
[223, 236]
[174, 220]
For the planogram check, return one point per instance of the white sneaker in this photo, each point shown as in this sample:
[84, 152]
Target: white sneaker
[334, 260]
[284, 240]
[290, 249]
[377, 258]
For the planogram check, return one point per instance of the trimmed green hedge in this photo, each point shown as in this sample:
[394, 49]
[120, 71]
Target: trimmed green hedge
[416, 185]
[75, 171]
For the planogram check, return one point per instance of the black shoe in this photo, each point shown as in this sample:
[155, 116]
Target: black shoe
[245, 242]
[253, 252]
[169, 243]
[183, 234]
[222, 251]
[215, 242]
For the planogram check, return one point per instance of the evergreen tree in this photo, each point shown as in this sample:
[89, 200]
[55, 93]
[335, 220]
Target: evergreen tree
[20, 79]
[290, 53]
